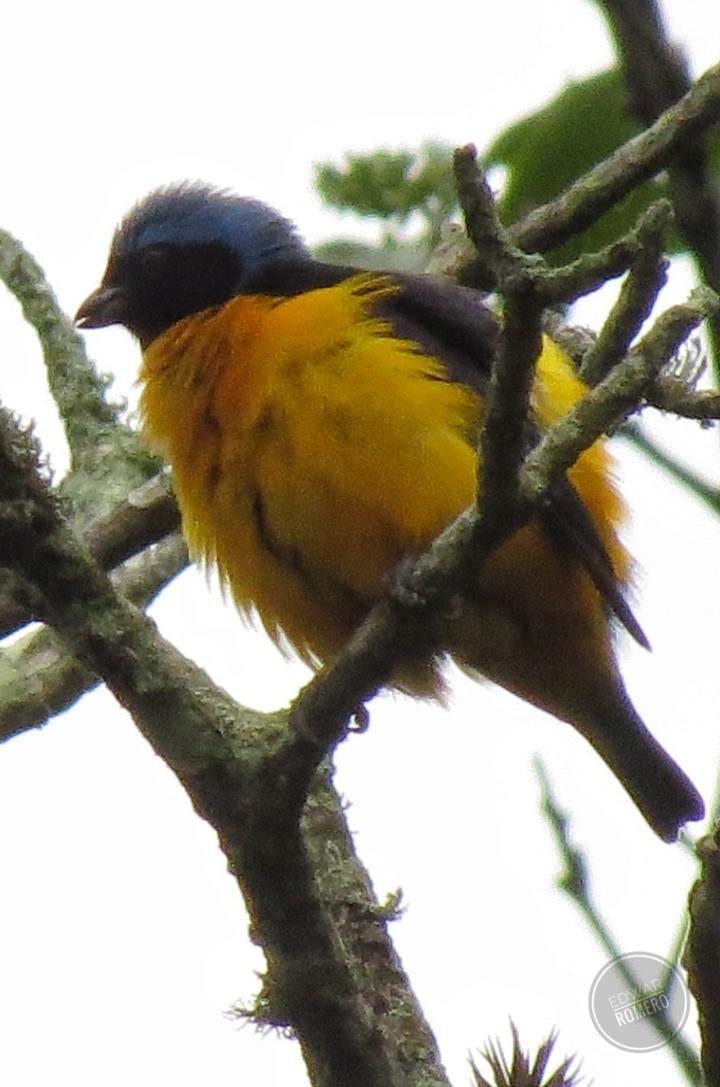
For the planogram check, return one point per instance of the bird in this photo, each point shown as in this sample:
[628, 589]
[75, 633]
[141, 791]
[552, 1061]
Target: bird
[321, 423]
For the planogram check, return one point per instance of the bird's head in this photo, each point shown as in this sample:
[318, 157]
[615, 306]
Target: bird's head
[182, 249]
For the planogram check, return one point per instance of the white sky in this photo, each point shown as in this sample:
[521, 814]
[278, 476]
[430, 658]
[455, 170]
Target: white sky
[122, 939]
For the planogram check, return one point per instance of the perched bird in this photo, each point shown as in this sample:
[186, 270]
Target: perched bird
[321, 424]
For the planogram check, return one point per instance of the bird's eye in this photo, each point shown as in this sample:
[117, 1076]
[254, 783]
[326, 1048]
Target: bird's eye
[152, 256]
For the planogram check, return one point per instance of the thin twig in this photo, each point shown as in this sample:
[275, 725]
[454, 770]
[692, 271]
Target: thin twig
[706, 492]
[606, 184]
[618, 395]
[656, 76]
[515, 274]
[575, 882]
[638, 294]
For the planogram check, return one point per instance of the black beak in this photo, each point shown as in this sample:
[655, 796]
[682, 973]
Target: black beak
[105, 306]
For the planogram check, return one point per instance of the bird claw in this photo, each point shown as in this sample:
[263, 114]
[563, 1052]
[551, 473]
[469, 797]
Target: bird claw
[360, 720]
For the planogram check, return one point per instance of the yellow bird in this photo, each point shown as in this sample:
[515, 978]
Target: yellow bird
[321, 424]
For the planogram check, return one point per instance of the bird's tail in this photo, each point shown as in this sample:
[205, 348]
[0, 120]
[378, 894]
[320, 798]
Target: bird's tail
[563, 661]
[661, 790]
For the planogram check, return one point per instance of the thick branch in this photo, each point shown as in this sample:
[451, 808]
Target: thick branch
[108, 459]
[40, 678]
[702, 955]
[78, 390]
[99, 442]
[231, 762]
[147, 515]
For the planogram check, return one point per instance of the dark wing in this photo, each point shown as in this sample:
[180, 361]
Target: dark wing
[566, 518]
[452, 323]
[448, 321]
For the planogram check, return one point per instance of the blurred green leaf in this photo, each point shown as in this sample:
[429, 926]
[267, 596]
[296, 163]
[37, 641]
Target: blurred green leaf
[541, 154]
[392, 186]
[546, 151]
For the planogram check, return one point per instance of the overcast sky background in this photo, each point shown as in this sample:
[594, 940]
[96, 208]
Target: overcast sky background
[122, 939]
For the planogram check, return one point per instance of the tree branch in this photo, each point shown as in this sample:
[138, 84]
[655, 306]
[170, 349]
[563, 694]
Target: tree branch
[706, 492]
[101, 445]
[250, 774]
[230, 760]
[656, 77]
[519, 279]
[702, 955]
[621, 392]
[647, 276]
[641, 158]
[575, 882]
[40, 678]
[109, 464]
[143, 518]
[404, 627]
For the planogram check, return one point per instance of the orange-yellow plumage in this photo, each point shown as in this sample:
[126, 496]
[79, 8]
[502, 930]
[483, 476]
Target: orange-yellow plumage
[303, 414]
[312, 451]
[313, 448]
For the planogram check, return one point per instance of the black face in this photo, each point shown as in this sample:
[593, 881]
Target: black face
[151, 288]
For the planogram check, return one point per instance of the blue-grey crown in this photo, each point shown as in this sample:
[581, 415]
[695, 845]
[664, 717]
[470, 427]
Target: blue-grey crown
[192, 212]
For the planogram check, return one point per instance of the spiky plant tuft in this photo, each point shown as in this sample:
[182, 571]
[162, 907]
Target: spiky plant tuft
[519, 1072]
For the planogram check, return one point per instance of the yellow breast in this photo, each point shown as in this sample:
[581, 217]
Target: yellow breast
[310, 452]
